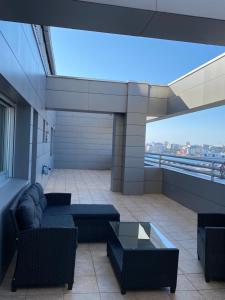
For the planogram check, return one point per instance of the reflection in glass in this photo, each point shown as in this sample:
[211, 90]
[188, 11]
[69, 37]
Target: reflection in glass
[2, 136]
[140, 235]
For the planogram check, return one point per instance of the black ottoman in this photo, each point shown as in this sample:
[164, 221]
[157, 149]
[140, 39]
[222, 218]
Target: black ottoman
[92, 220]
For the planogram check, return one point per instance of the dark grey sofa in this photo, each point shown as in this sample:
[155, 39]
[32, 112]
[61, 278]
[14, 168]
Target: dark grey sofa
[211, 245]
[46, 230]
[46, 245]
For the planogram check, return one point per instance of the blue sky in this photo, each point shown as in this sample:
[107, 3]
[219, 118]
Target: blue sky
[116, 57]
[203, 127]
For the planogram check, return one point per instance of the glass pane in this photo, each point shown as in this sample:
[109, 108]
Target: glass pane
[140, 235]
[2, 136]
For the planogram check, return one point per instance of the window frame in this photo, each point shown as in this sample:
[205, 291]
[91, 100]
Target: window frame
[45, 132]
[52, 141]
[9, 139]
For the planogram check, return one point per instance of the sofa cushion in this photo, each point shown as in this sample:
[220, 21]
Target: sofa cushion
[43, 203]
[34, 194]
[201, 232]
[85, 211]
[64, 221]
[26, 213]
[42, 198]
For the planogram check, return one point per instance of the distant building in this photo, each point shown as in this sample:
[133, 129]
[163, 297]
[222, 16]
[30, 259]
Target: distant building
[196, 150]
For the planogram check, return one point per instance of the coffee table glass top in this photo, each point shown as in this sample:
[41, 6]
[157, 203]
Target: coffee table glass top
[140, 236]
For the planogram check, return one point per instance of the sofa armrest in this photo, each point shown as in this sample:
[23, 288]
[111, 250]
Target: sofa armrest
[43, 242]
[46, 256]
[215, 239]
[213, 255]
[211, 220]
[58, 198]
[214, 251]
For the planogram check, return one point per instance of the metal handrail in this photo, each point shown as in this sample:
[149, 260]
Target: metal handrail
[215, 168]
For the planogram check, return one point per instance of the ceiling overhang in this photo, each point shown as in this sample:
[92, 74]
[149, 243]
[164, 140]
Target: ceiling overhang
[191, 21]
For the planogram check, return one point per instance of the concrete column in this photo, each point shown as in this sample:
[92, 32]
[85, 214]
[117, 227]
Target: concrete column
[118, 152]
[134, 147]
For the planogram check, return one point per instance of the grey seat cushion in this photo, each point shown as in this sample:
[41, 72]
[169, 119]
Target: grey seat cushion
[85, 211]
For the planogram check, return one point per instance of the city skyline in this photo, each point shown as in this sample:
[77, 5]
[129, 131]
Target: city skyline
[184, 144]
[202, 127]
[186, 150]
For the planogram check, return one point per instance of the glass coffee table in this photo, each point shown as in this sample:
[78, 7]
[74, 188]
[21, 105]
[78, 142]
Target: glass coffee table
[142, 257]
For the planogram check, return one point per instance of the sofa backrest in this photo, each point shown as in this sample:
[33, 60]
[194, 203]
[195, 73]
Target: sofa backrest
[13, 209]
[26, 212]
[43, 201]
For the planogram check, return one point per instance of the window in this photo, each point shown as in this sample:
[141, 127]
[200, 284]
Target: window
[43, 138]
[45, 132]
[6, 139]
[51, 143]
[2, 135]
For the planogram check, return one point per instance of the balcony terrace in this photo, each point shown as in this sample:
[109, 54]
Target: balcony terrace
[94, 278]
[49, 120]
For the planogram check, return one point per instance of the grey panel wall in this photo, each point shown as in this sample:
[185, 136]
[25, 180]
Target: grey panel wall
[153, 180]
[86, 95]
[195, 193]
[76, 94]
[20, 62]
[44, 155]
[23, 143]
[129, 142]
[22, 66]
[119, 127]
[22, 81]
[134, 146]
[83, 140]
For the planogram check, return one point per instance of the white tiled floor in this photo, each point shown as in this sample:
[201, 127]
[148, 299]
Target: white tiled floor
[94, 278]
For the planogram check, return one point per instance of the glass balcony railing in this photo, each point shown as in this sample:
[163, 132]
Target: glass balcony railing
[210, 169]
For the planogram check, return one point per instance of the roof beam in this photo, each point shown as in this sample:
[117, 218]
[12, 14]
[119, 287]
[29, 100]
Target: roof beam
[201, 21]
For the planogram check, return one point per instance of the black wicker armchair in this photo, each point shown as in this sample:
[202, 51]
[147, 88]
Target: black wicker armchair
[211, 245]
[46, 245]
